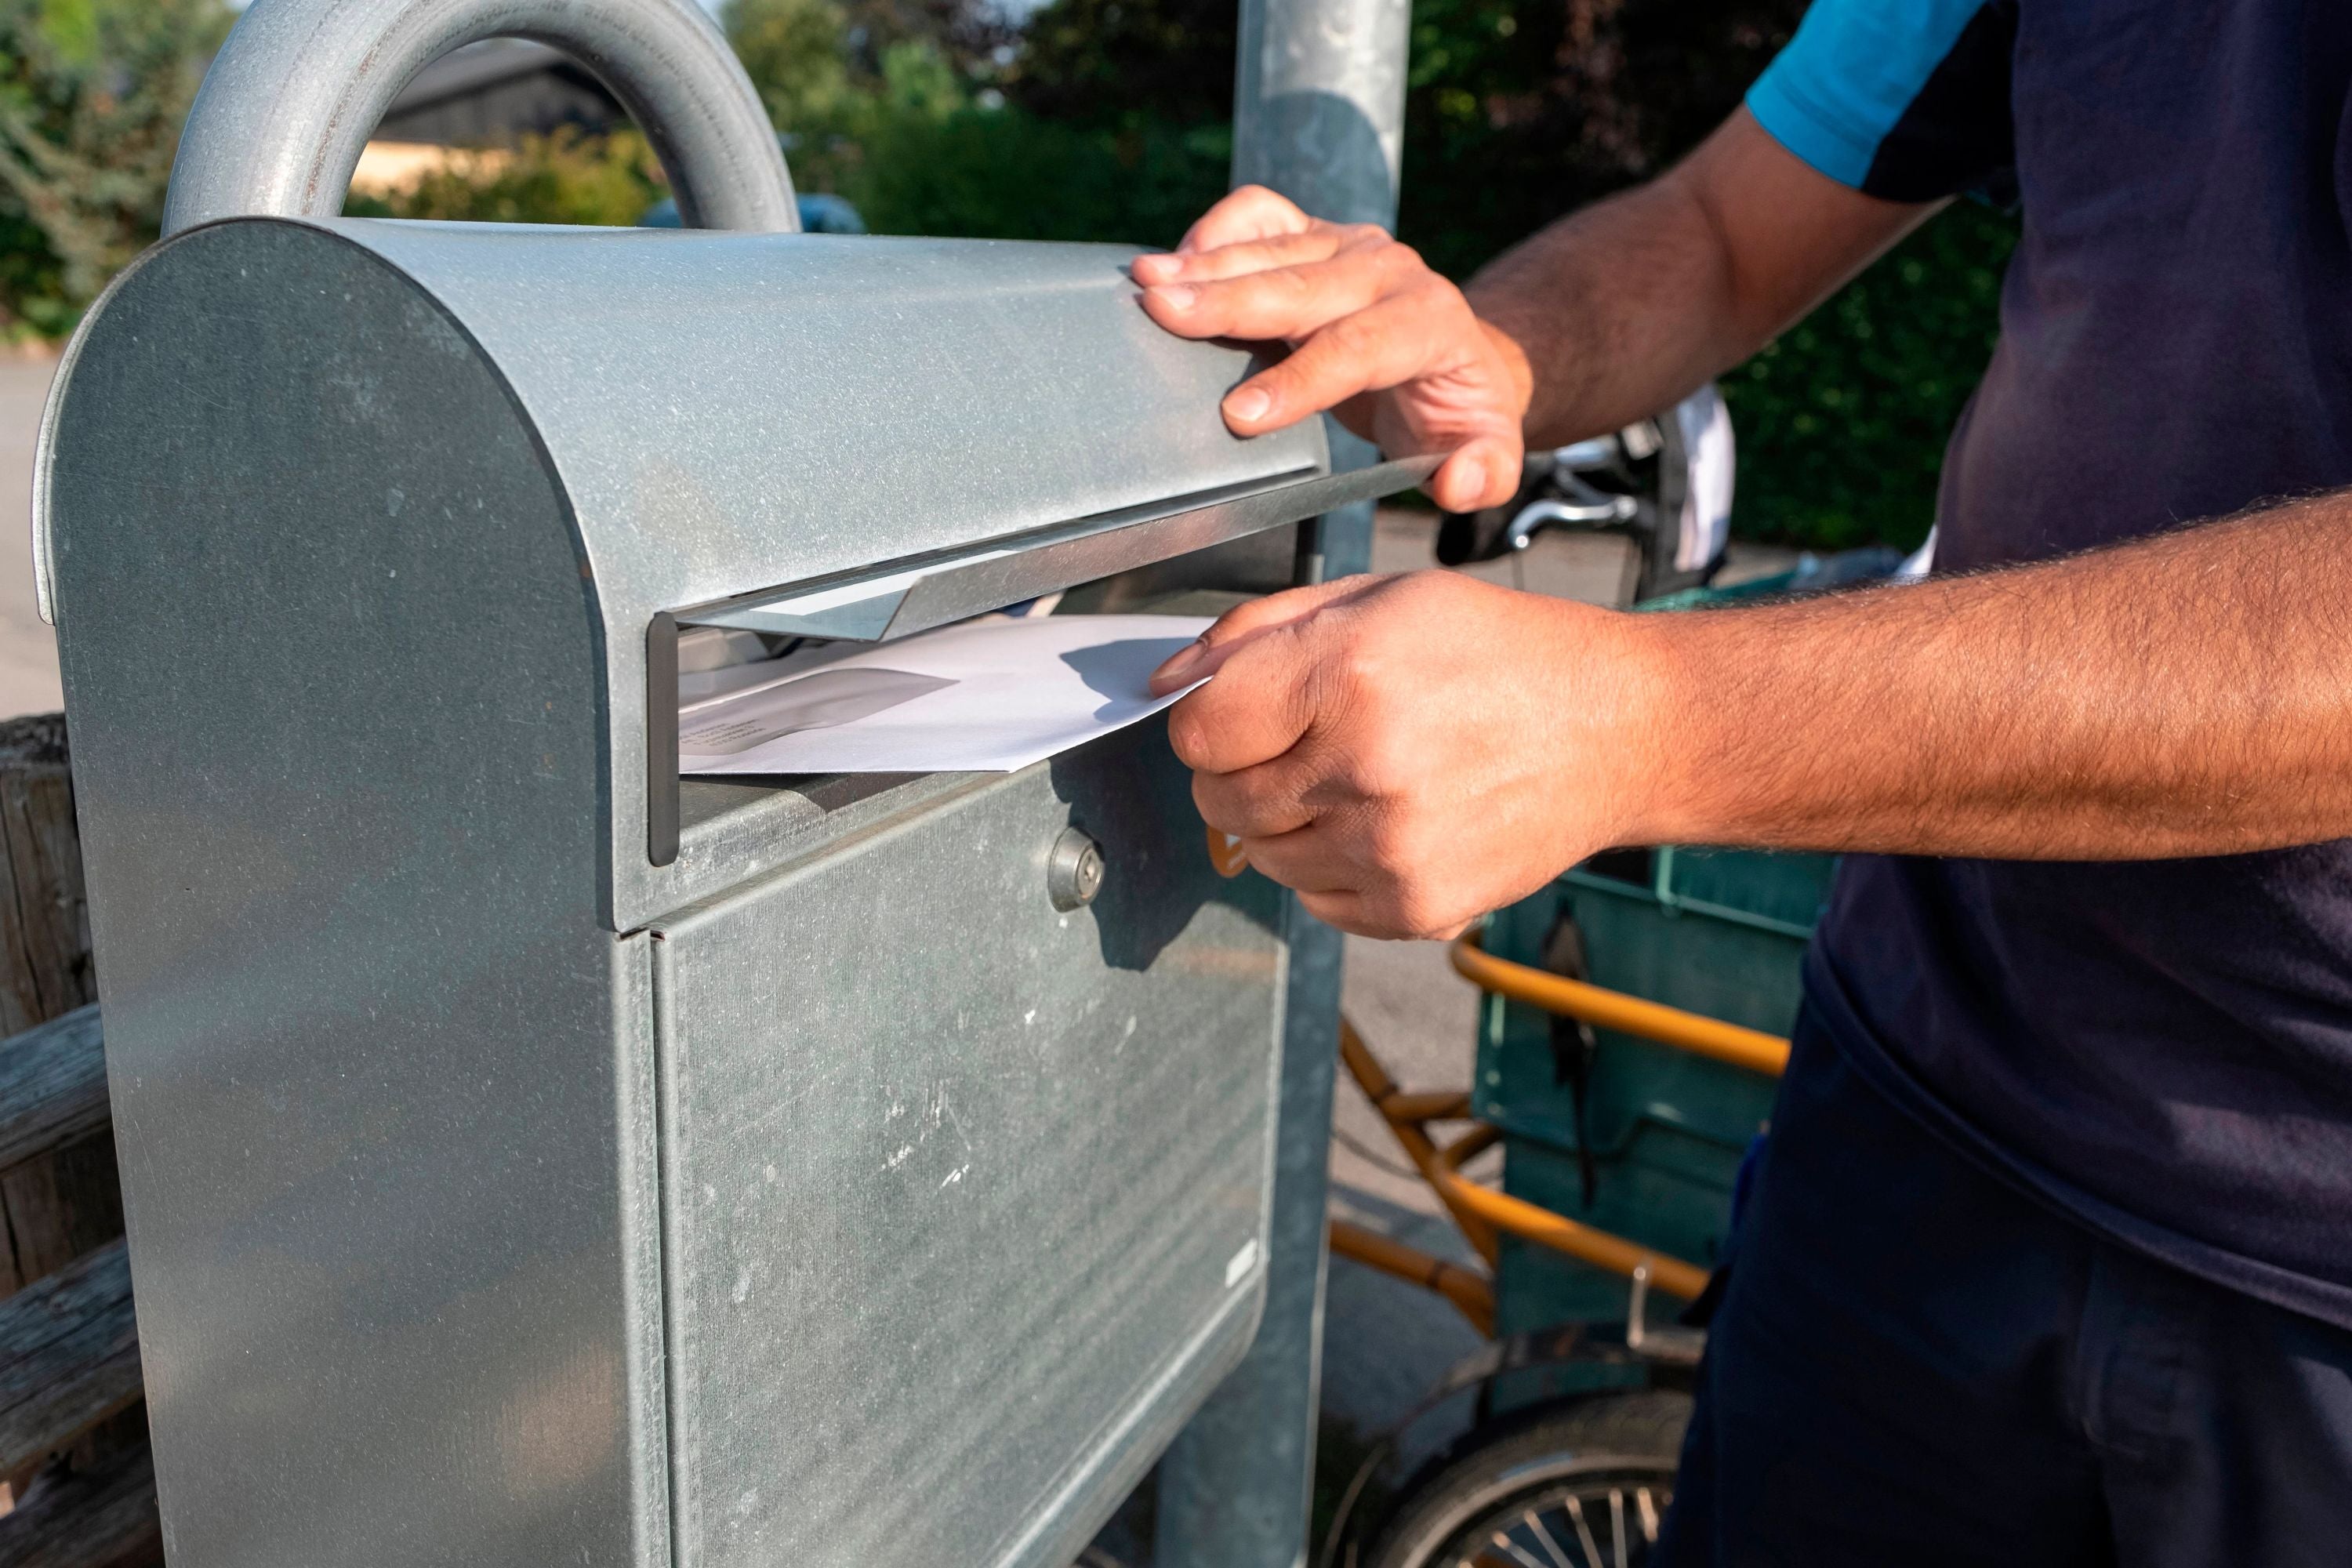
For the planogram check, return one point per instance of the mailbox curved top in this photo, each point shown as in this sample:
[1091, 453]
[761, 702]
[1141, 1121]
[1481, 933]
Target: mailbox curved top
[731, 411]
[727, 412]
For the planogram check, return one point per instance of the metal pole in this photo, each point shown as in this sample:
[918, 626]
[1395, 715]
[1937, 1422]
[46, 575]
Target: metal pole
[1318, 115]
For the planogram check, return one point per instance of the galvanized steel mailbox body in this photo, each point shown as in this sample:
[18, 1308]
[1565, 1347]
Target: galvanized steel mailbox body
[498, 1194]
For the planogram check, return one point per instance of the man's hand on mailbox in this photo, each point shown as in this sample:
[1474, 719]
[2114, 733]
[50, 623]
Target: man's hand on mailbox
[1378, 744]
[1374, 335]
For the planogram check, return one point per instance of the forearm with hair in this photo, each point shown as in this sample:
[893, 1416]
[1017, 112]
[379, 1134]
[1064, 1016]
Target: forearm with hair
[1621, 309]
[2187, 694]
[1627, 306]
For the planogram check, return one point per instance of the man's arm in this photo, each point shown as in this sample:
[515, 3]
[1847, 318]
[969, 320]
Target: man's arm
[1630, 304]
[1411, 752]
[1604, 318]
[2186, 694]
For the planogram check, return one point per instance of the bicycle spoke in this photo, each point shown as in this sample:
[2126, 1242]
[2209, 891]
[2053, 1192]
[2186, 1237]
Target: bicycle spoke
[1583, 1530]
[1543, 1537]
[1560, 1523]
[1518, 1556]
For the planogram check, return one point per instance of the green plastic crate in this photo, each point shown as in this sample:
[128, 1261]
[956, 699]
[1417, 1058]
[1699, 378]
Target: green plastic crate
[1719, 933]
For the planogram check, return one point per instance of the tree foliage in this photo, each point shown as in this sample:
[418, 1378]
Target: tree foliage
[1006, 174]
[825, 67]
[1514, 115]
[1517, 115]
[917, 132]
[92, 93]
[1096, 63]
[797, 54]
[974, 37]
[563, 177]
[1842, 424]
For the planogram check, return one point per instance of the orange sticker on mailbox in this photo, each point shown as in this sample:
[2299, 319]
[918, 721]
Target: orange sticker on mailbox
[1226, 854]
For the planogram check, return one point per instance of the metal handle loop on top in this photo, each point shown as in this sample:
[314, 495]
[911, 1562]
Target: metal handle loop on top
[293, 95]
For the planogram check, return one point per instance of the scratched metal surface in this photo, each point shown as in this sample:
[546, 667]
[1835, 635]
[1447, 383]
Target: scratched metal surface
[965, 1196]
[381, 1080]
[344, 584]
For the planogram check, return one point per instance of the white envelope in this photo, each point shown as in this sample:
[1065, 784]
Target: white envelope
[982, 696]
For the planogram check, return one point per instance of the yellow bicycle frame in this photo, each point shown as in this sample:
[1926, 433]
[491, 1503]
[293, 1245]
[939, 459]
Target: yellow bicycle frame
[1483, 1215]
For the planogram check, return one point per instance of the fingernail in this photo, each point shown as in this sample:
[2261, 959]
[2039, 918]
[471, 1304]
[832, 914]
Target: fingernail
[1172, 673]
[1249, 403]
[1175, 296]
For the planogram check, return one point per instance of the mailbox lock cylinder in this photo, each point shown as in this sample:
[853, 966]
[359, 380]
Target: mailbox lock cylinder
[1074, 870]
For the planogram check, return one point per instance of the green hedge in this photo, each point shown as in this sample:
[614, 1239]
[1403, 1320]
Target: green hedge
[563, 177]
[1002, 174]
[92, 93]
[1842, 424]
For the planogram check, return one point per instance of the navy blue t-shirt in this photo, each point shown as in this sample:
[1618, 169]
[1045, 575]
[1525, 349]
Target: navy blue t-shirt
[2164, 1048]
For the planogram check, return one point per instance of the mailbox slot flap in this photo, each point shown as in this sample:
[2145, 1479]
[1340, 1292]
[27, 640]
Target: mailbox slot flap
[903, 599]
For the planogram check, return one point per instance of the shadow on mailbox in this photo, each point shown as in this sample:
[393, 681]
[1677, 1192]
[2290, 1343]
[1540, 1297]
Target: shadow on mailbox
[1129, 792]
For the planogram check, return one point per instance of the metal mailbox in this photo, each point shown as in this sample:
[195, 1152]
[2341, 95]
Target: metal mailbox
[533, 1158]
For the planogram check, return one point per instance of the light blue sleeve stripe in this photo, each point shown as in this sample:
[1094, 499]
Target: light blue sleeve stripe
[1849, 74]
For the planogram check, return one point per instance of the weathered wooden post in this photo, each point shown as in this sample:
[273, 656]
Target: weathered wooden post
[62, 1200]
[73, 1450]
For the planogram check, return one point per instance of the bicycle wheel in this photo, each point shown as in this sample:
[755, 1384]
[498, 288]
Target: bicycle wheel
[1583, 1488]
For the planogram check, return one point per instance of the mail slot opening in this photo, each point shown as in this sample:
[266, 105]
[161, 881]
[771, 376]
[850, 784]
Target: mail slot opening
[760, 713]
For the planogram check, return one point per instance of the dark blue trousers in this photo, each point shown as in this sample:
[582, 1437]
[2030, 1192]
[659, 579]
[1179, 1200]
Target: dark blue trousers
[1917, 1364]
